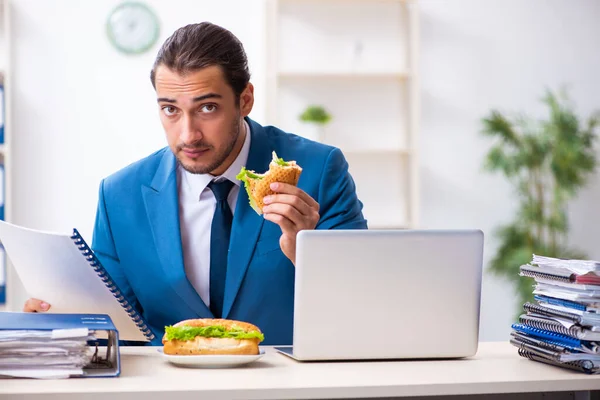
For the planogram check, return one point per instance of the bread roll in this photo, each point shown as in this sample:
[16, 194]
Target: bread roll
[260, 188]
[200, 345]
[259, 185]
[211, 346]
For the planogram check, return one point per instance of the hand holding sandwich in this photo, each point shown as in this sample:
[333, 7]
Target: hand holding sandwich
[275, 195]
[293, 210]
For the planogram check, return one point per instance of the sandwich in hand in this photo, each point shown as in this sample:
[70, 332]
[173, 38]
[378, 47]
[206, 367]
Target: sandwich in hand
[211, 336]
[258, 185]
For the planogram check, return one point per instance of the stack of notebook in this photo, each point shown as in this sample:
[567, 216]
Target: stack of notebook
[562, 326]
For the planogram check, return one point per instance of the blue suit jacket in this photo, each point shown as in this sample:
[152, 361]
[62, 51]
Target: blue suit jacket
[137, 236]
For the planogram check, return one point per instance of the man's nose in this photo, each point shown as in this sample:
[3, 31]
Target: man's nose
[190, 132]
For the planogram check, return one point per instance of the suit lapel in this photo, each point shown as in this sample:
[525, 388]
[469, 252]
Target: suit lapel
[247, 224]
[162, 208]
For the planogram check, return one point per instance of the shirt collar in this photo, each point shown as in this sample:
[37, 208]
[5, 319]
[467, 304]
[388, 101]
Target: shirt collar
[196, 183]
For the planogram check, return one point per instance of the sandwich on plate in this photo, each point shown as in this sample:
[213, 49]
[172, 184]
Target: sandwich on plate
[211, 336]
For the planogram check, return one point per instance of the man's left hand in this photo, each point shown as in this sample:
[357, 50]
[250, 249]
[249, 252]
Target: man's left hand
[293, 210]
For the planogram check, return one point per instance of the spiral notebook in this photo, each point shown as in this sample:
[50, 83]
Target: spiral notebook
[566, 304]
[587, 366]
[558, 356]
[62, 270]
[558, 338]
[555, 274]
[554, 345]
[584, 319]
[552, 325]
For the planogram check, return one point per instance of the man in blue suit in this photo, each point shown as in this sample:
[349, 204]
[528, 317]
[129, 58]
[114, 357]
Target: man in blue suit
[175, 230]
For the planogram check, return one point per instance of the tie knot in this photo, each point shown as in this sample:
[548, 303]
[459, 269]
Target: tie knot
[221, 189]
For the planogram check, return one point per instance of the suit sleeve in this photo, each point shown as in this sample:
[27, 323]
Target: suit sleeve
[104, 248]
[339, 205]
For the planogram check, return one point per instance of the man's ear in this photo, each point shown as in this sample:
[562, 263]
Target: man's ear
[247, 100]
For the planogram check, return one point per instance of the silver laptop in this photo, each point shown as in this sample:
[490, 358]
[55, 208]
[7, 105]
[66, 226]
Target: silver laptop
[386, 294]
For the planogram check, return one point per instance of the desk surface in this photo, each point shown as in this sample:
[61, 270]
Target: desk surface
[496, 368]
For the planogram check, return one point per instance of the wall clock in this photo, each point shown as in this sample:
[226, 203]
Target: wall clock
[132, 27]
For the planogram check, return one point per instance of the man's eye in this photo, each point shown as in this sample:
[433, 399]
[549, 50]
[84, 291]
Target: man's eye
[169, 110]
[208, 108]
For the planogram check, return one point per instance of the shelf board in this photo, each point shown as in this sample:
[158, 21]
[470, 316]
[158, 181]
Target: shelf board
[346, 1]
[387, 226]
[399, 75]
[374, 152]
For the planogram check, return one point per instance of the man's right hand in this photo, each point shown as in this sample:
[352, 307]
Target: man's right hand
[35, 305]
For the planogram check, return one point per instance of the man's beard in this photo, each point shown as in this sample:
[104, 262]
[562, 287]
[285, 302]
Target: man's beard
[233, 136]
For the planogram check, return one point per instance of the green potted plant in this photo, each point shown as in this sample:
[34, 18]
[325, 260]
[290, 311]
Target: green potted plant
[315, 117]
[547, 162]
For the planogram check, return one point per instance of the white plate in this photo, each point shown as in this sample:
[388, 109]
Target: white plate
[210, 361]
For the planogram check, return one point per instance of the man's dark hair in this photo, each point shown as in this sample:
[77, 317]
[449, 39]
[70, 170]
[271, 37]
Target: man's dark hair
[197, 46]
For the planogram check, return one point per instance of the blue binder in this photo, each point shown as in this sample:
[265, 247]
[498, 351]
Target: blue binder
[2, 184]
[107, 364]
[2, 275]
[2, 251]
[1, 113]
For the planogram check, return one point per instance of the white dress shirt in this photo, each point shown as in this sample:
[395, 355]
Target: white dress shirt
[197, 205]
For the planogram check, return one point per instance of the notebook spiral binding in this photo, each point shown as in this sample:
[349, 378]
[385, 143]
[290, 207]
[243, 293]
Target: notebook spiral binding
[551, 326]
[586, 366]
[105, 277]
[547, 276]
[534, 308]
[538, 350]
[548, 344]
[548, 335]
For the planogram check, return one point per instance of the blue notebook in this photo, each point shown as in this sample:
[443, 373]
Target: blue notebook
[2, 275]
[105, 363]
[547, 335]
[561, 302]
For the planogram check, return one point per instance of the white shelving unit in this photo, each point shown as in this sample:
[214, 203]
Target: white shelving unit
[5, 148]
[343, 75]
[358, 59]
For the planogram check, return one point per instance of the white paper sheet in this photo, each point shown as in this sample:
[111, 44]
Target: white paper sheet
[52, 269]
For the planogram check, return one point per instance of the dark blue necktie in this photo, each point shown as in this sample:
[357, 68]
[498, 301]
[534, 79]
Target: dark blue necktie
[219, 245]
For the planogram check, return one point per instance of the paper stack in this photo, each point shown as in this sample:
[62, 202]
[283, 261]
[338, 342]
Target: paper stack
[50, 345]
[58, 353]
[562, 326]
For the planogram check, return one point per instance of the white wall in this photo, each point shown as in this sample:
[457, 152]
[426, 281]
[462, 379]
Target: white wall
[477, 55]
[82, 111]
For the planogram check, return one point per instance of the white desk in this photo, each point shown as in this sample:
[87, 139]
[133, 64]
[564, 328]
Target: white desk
[496, 368]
